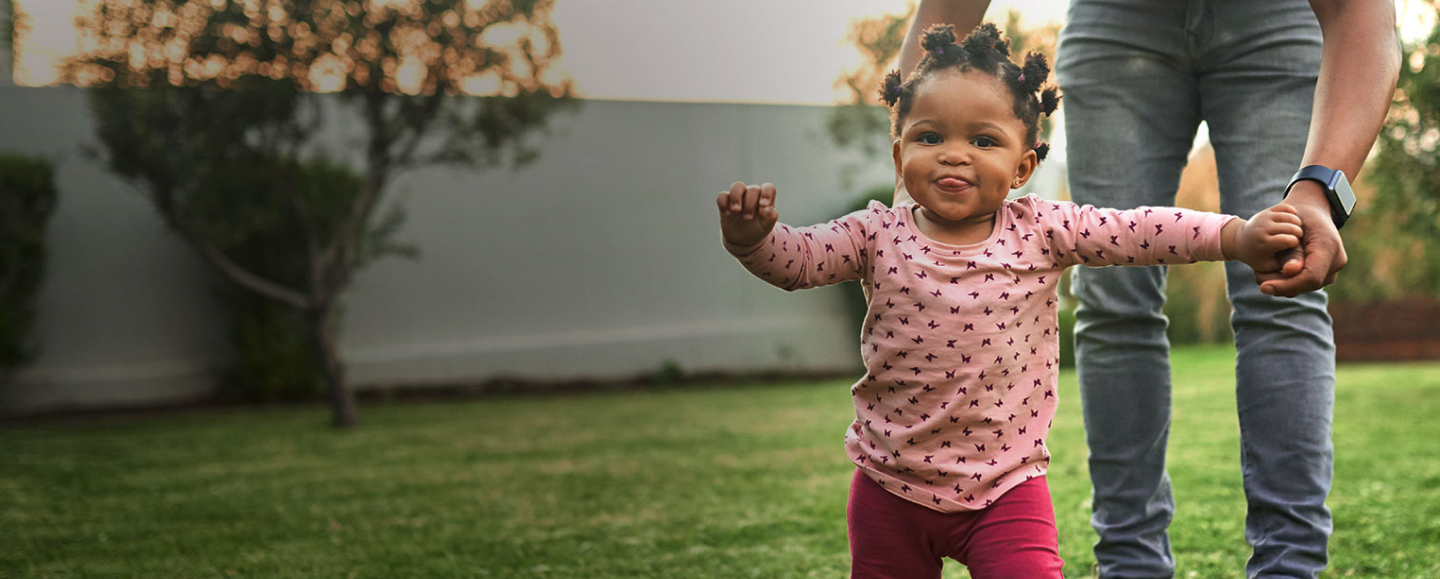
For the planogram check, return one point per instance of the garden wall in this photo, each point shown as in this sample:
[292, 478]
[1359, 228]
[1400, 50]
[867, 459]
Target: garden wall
[600, 261]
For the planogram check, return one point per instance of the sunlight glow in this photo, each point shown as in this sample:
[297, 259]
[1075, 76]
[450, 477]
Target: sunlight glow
[779, 51]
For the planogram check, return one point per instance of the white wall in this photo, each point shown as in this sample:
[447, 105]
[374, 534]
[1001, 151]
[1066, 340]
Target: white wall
[601, 260]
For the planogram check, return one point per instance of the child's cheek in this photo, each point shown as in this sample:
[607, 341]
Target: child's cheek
[911, 168]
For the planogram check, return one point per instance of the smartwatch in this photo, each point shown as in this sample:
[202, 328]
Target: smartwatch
[1337, 190]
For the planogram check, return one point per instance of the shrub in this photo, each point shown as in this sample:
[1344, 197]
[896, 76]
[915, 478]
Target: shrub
[1197, 303]
[27, 199]
[1387, 262]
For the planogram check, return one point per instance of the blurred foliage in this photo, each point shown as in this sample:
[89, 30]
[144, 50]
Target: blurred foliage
[1387, 262]
[27, 200]
[1391, 242]
[862, 121]
[274, 358]
[1067, 338]
[1197, 303]
[213, 109]
[12, 23]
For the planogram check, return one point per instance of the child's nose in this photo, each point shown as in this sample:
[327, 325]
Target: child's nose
[954, 156]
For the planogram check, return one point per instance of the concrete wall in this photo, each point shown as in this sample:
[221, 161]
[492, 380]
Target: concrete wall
[602, 260]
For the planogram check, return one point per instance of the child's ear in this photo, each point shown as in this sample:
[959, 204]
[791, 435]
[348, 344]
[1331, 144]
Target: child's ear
[1028, 163]
[895, 153]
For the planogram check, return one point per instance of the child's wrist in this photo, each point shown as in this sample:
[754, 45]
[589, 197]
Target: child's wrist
[742, 246]
[1230, 239]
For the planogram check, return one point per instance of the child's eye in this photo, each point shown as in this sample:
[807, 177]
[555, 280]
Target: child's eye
[930, 138]
[985, 142]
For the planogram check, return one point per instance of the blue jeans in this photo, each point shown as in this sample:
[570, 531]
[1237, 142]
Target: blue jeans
[1137, 77]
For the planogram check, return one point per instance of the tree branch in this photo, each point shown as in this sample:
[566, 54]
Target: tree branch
[247, 280]
[164, 205]
[421, 124]
[335, 261]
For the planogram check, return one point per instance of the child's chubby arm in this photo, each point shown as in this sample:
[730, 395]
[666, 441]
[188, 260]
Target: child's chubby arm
[747, 213]
[1102, 236]
[1258, 241]
[787, 257]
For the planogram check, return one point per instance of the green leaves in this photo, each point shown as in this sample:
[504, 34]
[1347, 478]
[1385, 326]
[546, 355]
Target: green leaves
[27, 200]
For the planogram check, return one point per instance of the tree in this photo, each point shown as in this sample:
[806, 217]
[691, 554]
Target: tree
[861, 121]
[204, 103]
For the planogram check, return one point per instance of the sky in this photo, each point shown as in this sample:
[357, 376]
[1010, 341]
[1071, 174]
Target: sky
[766, 51]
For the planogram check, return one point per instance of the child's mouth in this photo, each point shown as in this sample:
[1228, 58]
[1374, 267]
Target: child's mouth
[952, 184]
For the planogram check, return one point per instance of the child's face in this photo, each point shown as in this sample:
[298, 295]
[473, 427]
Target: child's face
[961, 148]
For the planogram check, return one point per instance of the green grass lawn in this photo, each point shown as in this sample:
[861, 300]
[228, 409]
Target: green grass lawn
[738, 481]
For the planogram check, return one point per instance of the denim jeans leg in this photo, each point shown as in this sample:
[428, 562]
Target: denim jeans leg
[1257, 99]
[1131, 111]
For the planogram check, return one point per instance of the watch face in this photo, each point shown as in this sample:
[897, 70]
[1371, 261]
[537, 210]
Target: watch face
[1342, 191]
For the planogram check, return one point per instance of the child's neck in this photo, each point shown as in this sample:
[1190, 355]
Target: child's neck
[966, 231]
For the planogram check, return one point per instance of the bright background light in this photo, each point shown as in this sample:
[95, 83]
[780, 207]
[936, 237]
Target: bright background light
[775, 51]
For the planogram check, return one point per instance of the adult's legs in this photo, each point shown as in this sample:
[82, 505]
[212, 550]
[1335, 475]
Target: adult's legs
[1257, 97]
[1131, 110]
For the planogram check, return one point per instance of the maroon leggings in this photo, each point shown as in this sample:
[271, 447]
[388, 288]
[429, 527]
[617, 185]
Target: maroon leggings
[893, 538]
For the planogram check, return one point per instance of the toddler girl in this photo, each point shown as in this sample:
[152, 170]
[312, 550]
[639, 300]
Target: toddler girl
[960, 340]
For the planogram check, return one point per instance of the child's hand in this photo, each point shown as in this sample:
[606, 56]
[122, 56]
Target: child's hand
[1260, 241]
[747, 213]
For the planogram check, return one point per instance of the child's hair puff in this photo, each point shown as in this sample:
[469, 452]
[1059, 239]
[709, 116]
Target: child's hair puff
[985, 50]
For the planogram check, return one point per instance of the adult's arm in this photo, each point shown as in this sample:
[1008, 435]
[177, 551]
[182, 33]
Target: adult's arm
[1358, 70]
[964, 15]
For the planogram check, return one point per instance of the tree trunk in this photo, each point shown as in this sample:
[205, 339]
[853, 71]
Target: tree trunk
[342, 400]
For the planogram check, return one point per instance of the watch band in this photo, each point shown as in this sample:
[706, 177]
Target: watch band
[1336, 186]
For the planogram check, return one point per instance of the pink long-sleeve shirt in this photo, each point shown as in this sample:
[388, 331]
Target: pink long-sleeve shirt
[961, 343]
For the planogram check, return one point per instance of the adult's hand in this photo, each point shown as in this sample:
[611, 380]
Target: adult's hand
[1321, 255]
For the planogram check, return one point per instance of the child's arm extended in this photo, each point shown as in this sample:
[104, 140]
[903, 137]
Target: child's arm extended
[1096, 237]
[785, 257]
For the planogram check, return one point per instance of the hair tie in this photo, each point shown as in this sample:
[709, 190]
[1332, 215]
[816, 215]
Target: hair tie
[939, 51]
[896, 90]
[1022, 77]
[1037, 144]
